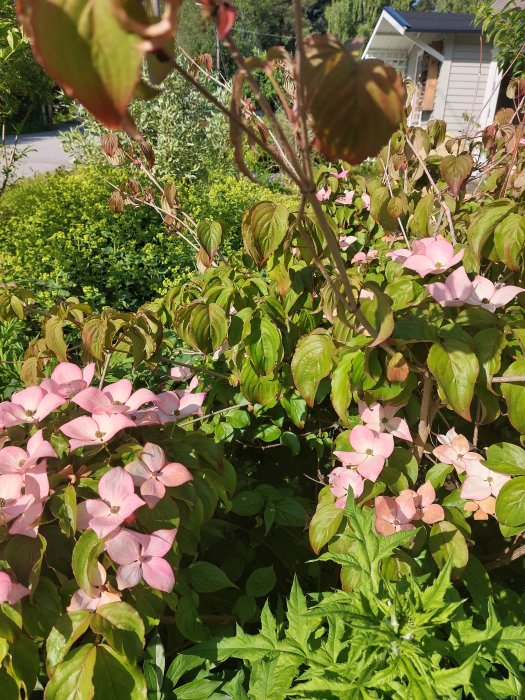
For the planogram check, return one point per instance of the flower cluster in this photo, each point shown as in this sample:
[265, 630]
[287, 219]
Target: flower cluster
[25, 483]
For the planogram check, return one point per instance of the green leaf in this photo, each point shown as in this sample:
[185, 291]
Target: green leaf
[324, 523]
[25, 556]
[378, 313]
[154, 666]
[264, 227]
[64, 507]
[42, 611]
[73, 677]
[505, 458]
[85, 558]
[446, 542]
[420, 219]
[273, 678]
[438, 473]
[187, 618]
[209, 235]
[54, 335]
[291, 441]
[261, 582]
[295, 407]
[247, 503]
[84, 48]
[114, 678]
[290, 513]
[354, 106]
[67, 630]
[455, 170]
[208, 327]
[484, 222]
[341, 394]
[207, 578]
[510, 503]
[509, 240]
[514, 394]
[256, 389]
[122, 628]
[488, 344]
[312, 361]
[456, 368]
[264, 345]
[25, 662]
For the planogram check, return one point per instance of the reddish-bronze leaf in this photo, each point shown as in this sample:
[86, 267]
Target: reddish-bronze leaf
[455, 170]
[355, 106]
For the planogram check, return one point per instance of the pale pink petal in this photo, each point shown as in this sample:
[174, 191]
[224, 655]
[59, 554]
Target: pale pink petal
[26, 524]
[440, 293]
[153, 457]
[399, 428]
[11, 486]
[82, 428]
[383, 445]
[105, 525]
[139, 471]
[457, 257]
[476, 489]
[5, 586]
[483, 288]
[36, 482]
[362, 438]
[152, 491]
[66, 372]
[371, 467]
[433, 514]
[440, 252]
[420, 264]
[406, 507]
[129, 576]
[180, 374]
[174, 474]
[38, 448]
[115, 486]
[386, 508]
[191, 404]
[48, 404]
[503, 295]
[80, 600]
[90, 509]
[427, 493]
[123, 548]
[352, 458]
[92, 400]
[445, 453]
[159, 543]
[119, 392]
[145, 418]
[16, 592]
[12, 459]
[459, 285]
[168, 402]
[475, 468]
[29, 398]
[498, 481]
[158, 574]
[113, 424]
[140, 397]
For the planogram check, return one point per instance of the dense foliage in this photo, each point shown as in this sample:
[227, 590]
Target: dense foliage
[363, 357]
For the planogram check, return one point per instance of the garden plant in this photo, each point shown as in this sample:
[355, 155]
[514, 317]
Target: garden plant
[331, 418]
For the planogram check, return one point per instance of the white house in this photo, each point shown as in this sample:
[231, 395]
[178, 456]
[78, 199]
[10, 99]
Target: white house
[450, 62]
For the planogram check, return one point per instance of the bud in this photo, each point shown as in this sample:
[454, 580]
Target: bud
[170, 193]
[116, 202]
[397, 368]
[109, 144]
[147, 152]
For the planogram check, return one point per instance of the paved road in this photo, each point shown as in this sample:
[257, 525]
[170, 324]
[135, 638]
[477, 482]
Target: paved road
[46, 153]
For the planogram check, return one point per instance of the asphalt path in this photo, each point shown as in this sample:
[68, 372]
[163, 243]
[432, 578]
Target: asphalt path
[44, 153]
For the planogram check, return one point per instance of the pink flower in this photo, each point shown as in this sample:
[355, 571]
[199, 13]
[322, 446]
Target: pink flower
[180, 374]
[151, 473]
[392, 516]
[342, 175]
[15, 460]
[362, 257]
[67, 379]
[114, 398]
[100, 594]
[482, 509]
[29, 406]
[323, 193]
[482, 482]
[140, 557]
[366, 200]
[117, 502]
[455, 291]
[95, 430]
[491, 296]
[340, 479]
[423, 502]
[371, 450]
[347, 198]
[12, 502]
[174, 405]
[346, 241]
[455, 450]
[382, 419]
[11, 592]
[430, 255]
[36, 490]
[399, 255]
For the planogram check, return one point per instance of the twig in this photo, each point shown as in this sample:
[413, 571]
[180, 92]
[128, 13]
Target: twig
[508, 380]
[214, 413]
[104, 370]
[424, 425]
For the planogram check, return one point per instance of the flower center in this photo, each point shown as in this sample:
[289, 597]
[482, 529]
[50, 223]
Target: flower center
[21, 463]
[176, 413]
[484, 300]
[30, 414]
[2, 502]
[438, 266]
[99, 435]
[489, 480]
[115, 509]
[369, 451]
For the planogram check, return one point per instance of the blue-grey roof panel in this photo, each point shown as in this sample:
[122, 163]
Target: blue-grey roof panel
[448, 22]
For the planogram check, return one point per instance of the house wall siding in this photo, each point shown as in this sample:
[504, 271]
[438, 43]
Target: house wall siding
[467, 82]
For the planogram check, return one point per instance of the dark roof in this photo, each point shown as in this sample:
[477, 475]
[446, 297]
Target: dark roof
[453, 23]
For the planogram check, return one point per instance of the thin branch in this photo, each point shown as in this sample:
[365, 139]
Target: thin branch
[245, 404]
[425, 423]
[508, 380]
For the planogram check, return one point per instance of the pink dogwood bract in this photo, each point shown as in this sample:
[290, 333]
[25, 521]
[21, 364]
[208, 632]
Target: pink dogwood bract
[174, 405]
[67, 379]
[491, 296]
[481, 509]
[180, 374]
[100, 593]
[482, 482]
[362, 257]
[340, 479]
[423, 502]
[346, 241]
[428, 255]
[347, 198]
[140, 557]
[392, 516]
[95, 430]
[382, 419]
[15, 460]
[151, 473]
[455, 450]
[371, 450]
[117, 502]
[113, 398]
[454, 291]
[30, 405]
[323, 194]
[11, 592]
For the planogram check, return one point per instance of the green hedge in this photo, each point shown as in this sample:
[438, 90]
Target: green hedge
[56, 231]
